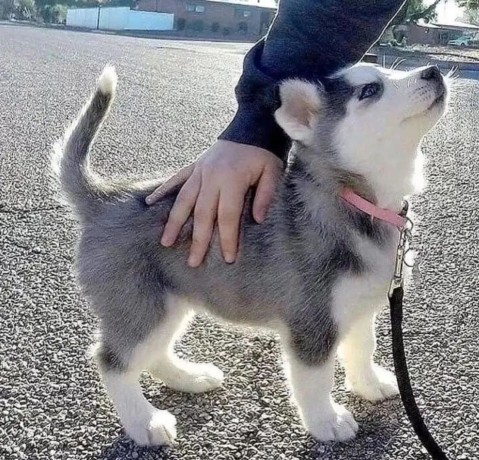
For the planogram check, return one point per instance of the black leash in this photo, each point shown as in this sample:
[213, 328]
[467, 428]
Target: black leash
[396, 294]
[404, 382]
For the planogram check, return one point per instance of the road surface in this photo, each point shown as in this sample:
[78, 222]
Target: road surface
[173, 99]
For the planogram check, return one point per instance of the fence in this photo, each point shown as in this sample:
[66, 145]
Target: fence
[118, 18]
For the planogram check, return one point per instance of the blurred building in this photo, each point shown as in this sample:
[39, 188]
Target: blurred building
[216, 17]
[435, 33]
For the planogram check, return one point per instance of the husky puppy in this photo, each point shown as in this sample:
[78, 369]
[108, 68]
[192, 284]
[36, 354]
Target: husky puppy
[317, 271]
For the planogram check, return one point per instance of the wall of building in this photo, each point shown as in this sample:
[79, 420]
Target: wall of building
[114, 18]
[422, 35]
[433, 35]
[144, 20]
[226, 16]
[118, 18]
[82, 17]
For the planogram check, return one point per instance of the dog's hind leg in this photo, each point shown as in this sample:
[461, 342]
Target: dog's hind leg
[177, 373]
[363, 376]
[132, 343]
[145, 424]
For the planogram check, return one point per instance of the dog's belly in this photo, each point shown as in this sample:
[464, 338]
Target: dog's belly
[237, 293]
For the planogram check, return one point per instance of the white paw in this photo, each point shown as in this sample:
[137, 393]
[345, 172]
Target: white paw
[203, 377]
[193, 377]
[375, 385]
[339, 426]
[157, 430]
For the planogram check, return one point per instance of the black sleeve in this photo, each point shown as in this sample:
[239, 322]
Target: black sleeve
[308, 39]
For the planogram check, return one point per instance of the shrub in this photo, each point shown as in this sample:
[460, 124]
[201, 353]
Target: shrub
[198, 25]
[25, 9]
[55, 14]
[59, 13]
[7, 7]
[243, 27]
[215, 27]
[226, 31]
[181, 24]
[46, 13]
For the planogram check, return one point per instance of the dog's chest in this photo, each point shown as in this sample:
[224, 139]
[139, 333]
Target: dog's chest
[356, 294]
[378, 259]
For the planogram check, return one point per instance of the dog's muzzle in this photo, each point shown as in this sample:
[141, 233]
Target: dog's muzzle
[434, 77]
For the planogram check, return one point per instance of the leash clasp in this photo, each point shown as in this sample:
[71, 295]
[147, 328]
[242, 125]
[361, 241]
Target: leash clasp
[398, 277]
[402, 249]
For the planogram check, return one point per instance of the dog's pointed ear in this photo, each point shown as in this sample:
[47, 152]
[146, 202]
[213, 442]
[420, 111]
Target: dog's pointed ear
[300, 105]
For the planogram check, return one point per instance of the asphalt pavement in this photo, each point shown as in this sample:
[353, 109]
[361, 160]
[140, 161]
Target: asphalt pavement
[173, 99]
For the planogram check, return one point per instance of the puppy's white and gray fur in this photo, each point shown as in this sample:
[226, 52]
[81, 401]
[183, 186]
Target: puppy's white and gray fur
[316, 271]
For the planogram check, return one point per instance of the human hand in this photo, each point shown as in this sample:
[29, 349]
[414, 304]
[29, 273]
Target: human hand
[214, 190]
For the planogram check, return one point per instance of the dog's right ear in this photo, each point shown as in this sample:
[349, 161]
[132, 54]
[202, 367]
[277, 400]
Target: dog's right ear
[300, 104]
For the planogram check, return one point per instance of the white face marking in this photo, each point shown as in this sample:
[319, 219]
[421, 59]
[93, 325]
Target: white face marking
[373, 118]
[404, 94]
[379, 135]
[360, 74]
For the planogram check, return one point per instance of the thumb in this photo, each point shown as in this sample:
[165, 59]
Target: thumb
[179, 178]
[264, 194]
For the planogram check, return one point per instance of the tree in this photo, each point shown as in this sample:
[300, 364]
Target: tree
[469, 4]
[25, 9]
[473, 16]
[414, 10]
[6, 8]
[472, 10]
[55, 14]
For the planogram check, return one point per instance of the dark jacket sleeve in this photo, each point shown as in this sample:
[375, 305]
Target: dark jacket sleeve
[308, 39]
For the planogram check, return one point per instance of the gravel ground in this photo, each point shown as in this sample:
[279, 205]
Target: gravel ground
[173, 99]
[447, 53]
[450, 54]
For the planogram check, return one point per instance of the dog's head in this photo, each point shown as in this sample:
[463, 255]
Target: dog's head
[367, 120]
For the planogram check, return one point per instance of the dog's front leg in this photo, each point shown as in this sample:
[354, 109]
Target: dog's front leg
[363, 376]
[312, 385]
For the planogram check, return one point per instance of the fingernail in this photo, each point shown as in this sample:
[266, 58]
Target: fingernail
[261, 217]
[166, 241]
[229, 258]
[148, 200]
[193, 261]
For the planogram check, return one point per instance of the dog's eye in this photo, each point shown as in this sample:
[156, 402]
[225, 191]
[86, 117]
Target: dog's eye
[369, 90]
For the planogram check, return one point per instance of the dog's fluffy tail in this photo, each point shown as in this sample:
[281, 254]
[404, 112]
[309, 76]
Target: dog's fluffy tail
[83, 191]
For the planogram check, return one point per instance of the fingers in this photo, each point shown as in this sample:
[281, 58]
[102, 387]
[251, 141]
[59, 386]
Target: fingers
[264, 194]
[230, 209]
[215, 187]
[179, 178]
[203, 224]
[181, 210]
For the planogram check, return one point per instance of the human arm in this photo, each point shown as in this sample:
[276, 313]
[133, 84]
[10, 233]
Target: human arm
[308, 39]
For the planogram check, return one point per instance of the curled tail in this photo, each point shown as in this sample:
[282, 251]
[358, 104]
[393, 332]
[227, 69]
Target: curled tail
[83, 191]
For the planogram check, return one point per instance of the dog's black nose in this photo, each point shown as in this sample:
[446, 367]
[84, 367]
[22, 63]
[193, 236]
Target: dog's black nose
[431, 73]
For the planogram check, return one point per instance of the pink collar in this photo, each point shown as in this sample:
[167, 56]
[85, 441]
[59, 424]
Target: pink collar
[386, 215]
